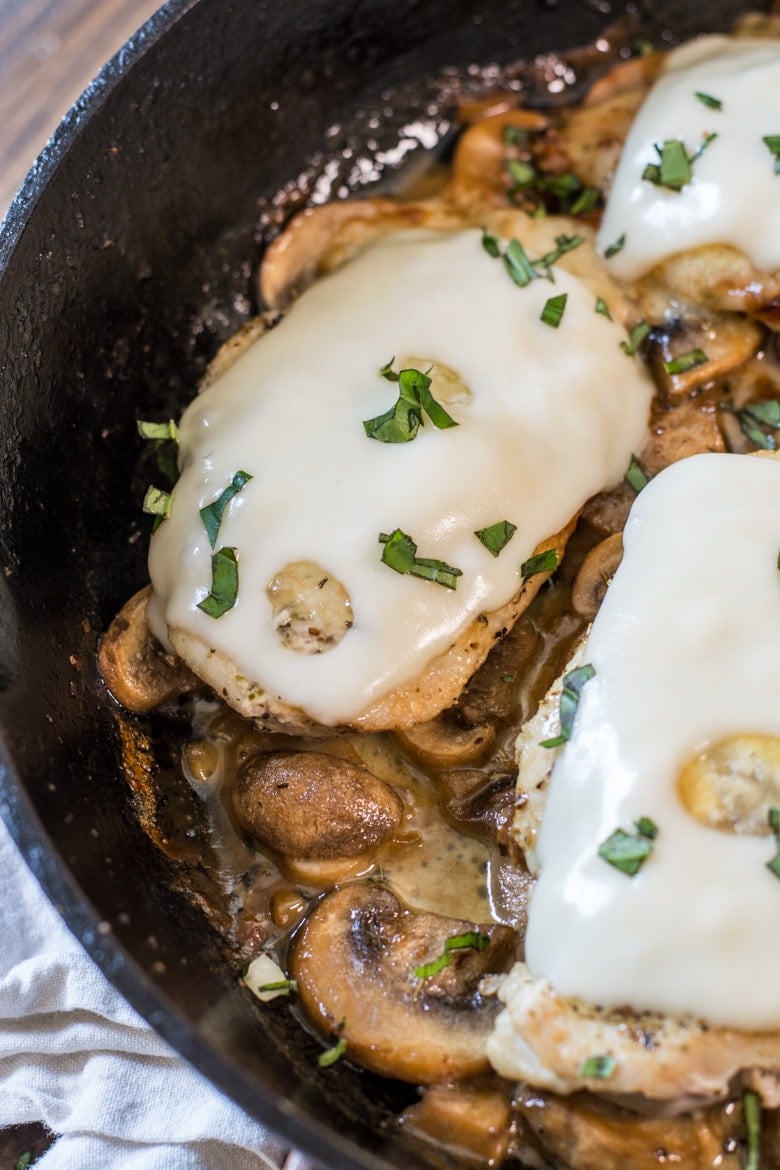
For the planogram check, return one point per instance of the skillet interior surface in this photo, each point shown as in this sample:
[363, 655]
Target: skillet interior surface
[126, 260]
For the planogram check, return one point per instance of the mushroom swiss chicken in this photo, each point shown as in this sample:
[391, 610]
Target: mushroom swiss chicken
[467, 582]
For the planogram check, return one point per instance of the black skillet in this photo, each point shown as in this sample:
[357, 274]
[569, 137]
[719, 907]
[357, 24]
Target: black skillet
[124, 262]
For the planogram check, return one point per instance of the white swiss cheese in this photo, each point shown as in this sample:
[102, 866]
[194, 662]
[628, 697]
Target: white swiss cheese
[685, 649]
[552, 417]
[734, 194]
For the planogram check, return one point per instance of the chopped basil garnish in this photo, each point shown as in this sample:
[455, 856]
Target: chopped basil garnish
[613, 249]
[490, 244]
[635, 338]
[774, 825]
[400, 553]
[564, 193]
[543, 562]
[773, 142]
[674, 169]
[573, 683]
[603, 308]
[286, 985]
[165, 436]
[629, 851]
[751, 1106]
[497, 536]
[636, 476]
[470, 939]
[706, 99]
[212, 514]
[518, 263]
[224, 584]
[158, 431]
[686, 361]
[754, 416]
[331, 1055]
[554, 308]
[157, 503]
[598, 1068]
[401, 423]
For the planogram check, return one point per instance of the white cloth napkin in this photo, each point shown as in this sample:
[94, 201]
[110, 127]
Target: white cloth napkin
[75, 1056]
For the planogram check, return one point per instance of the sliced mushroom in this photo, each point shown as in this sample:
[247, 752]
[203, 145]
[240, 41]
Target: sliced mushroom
[311, 608]
[314, 806]
[596, 572]
[135, 668]
[354, 962]
[705, 348]
[733, 784]
[447, 742]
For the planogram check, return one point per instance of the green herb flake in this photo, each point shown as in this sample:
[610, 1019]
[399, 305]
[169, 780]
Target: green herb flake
[165, 436]
[597, 1068]
[428, 970]
[773, 142]
[573, 683]
[400, 554]
[554, 308]
[332, 1054]
[635, 338]
[636, 476]
[585, 201]
[774, 825]
[490, 244]
[563, 244]
[401, 423]
[522, 174]
[543, 562]
[224, 584]
[686, 361]
[646, 827]
[603, 308]
[157, 503]
[497, 536]
[517, 264]
[614, 248]
[160, 432]
[507, 678]
[757, 415]
[751, 1106]
[289, 986]
[674, 169]
[24, 1160]
[212, 514]
[629, 851]
[706, 99]
[470, 939]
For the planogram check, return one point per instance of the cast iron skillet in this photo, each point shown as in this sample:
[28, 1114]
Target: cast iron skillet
[124, 262]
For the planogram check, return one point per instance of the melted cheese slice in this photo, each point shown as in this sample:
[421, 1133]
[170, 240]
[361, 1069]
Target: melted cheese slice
[734, 195]
[685, 648]
[551, 416]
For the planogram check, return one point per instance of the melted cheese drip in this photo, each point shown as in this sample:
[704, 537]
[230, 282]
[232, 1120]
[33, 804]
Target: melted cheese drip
[734, 195]
[552, 417]
[685, 652]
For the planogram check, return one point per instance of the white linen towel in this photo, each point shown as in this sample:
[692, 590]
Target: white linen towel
[76, 1056]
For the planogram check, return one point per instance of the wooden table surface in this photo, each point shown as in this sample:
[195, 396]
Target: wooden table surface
[49, 51]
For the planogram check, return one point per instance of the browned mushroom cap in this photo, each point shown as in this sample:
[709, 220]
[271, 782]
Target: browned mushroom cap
[447, 741]
[355, 962]
[314, 806]
[135, 668]
[596, 572]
